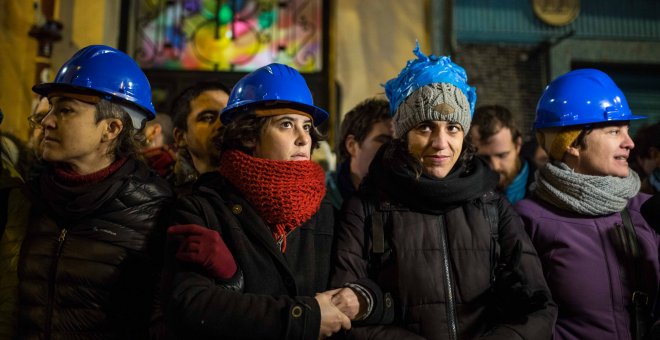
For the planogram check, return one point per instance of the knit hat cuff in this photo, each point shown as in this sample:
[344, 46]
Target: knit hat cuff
[437, 101]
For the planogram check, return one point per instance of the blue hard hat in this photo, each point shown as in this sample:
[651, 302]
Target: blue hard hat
[274, 85]
[581, 97]
[104, 71]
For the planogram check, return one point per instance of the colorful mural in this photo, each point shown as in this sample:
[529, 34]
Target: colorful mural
[229, 35]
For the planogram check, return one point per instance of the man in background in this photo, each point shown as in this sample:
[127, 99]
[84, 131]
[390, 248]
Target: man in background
[196, 117]
[498, 139]
[364, 129]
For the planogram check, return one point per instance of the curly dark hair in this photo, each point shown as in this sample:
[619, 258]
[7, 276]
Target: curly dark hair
[246, 129]
[129, 140]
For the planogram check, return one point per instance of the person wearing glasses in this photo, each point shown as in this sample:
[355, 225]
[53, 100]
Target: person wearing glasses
[90, 262]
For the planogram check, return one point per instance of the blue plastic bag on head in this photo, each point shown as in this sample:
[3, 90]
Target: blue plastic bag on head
[427, 70]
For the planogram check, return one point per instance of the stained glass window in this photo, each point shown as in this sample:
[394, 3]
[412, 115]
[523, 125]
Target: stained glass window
[229, 35]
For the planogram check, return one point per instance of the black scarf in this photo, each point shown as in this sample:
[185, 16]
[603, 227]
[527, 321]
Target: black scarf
[389, 173]
[66, 202]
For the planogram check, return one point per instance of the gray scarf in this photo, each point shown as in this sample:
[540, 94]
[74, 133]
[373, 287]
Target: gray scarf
[589, 195]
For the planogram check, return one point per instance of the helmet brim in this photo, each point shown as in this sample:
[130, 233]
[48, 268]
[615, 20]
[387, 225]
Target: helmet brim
[318, 114]
[45, 89]
[545, 125]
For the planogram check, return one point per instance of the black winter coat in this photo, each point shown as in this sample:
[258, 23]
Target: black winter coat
[277, 296]
[434, 279]
[90, 261]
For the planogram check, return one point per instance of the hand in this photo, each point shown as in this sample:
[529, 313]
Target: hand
[206, 248]
[348, 302]
[512, 295]
[508, 274]
[332, 319]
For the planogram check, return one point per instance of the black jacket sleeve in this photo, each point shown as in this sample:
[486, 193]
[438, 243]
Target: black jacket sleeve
[351, 263]
[536, 324]
[199, 307]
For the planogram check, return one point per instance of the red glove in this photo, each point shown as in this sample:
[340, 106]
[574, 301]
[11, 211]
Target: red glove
[205, 247]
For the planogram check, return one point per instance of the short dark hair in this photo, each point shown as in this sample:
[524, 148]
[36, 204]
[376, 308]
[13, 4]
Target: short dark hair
[490, 119]
[581, 140]
[247, 128]
[181, 104]
[129, 140]
[360, 120]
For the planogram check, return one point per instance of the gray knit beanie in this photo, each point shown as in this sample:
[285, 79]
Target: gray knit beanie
[436, 101]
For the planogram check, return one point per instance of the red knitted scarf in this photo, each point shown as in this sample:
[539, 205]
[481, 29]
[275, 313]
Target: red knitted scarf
[284, 193]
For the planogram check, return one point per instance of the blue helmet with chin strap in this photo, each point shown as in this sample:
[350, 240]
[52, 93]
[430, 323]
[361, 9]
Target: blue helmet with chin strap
[581, 97]
[274, 85]
[107, 73]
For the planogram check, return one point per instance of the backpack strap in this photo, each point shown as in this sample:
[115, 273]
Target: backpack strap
[493, 218]
[377, 234]
[640, 299]
[375, 221]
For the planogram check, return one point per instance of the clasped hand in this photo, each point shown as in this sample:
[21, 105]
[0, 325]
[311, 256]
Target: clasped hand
[338, 307]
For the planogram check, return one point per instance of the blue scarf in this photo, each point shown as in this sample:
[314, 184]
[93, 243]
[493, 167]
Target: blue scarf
[516, 190]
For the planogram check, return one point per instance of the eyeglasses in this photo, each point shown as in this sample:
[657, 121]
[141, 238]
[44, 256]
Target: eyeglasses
[35, 119]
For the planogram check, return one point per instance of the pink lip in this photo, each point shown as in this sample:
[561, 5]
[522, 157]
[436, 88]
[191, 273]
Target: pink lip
[300, 157]
[437, 159]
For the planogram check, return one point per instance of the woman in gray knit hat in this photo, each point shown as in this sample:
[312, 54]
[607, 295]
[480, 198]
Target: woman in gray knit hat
[430, 248]
[599, 255]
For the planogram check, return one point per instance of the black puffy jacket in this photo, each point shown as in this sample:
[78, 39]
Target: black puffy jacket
[90, 261]
[436, 275]
[277, 297]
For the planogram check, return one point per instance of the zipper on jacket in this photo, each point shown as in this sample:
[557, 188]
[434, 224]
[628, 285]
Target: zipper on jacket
[51, 283]
[449, 285]
[280, 241]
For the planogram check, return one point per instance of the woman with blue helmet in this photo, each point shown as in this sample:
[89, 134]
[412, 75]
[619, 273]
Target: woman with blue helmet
[250, 247]
[89, 264]
[599, 255]
[436, 252]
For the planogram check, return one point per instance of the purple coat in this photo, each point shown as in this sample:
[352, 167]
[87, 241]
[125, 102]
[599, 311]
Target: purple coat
[582, 268]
